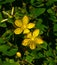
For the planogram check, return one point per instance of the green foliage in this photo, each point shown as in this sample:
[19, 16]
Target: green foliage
[3, 25]
[32, 1]
[0, 16]
[4, 48]
[11, 52]
[41, 12]
[6, 1]
[50, 2]
[2, 41]
[44, 46]
[10, 62]
[55, 27]
[39, 25]
[38, 10]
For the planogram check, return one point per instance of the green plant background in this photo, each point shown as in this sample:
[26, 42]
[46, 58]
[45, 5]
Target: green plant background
[44, 13]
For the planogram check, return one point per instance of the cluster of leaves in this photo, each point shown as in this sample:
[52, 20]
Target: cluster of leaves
[44, 14]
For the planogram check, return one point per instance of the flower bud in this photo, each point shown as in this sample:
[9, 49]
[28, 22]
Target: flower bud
[18, 54]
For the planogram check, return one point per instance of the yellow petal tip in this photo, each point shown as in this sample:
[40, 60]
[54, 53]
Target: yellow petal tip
[18, 31]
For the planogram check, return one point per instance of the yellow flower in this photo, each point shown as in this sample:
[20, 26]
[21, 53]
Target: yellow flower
[23, 25]
[18, 54]
[32, 39]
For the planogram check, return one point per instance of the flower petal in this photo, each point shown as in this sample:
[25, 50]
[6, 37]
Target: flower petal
[30, 25]
[32, 46]
[18, 23]
[29, 35]
[18, 31]
[36, 33]
[38, 41]
[25, 42]
[26, 31]
[25, 19]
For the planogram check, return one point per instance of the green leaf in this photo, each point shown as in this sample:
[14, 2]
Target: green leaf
[33, 54]
[55, 27]
[8, 63]
[0, 61]
[55, 33]
[39, 25]
[11, 52]
[32, 1]
[51, 61]
[44, 45]
[40, 55]
[4, 48]
[50, 11]
[3, 24]
[9, 1]
[49, 2]
[29, 58]
[55, 0]
[10, 20]
[53, 18]
[52, 15]
[7, 33]
[0, 6]
[6, 1]
[37, 11]
[1, 17]
[39, 2]
[9, 36]
[2, 41]
[49, 53]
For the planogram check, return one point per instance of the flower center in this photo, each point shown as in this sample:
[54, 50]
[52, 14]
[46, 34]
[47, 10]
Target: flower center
[32, 38]
[24, 26]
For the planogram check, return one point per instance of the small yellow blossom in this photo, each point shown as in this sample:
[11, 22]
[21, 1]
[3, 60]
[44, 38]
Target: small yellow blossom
[18, 54]
[32, 39]
[23, 25]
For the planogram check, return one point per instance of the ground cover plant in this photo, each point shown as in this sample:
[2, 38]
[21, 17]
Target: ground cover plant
[28, 32]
